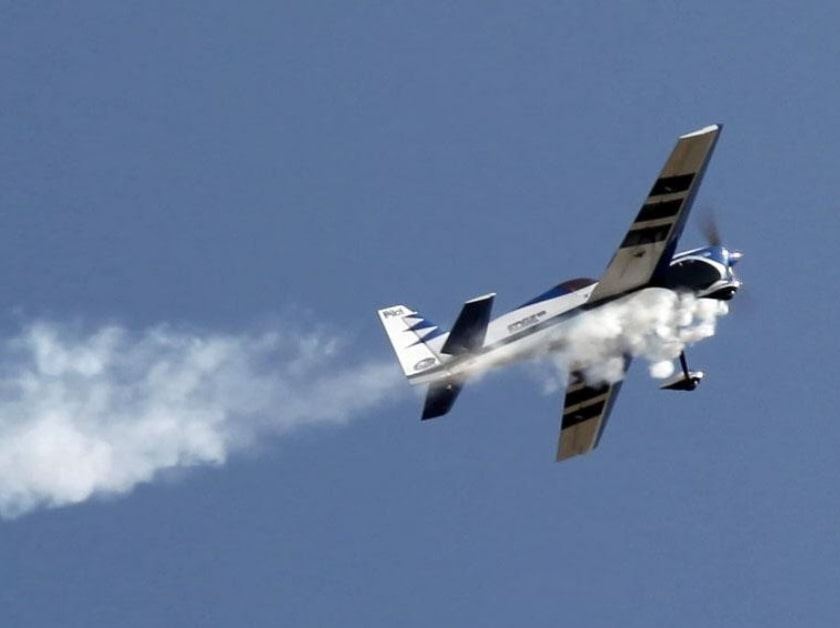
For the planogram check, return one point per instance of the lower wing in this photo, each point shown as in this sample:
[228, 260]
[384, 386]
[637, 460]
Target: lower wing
[586, 410]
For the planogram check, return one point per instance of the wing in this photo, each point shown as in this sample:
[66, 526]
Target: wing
[647, 249]
[585, 413]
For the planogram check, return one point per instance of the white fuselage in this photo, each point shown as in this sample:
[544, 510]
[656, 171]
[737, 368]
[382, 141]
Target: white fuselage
[526, 332]
[543, 325]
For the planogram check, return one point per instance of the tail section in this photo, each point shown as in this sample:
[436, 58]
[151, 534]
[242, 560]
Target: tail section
[413, 339]
[409, 334]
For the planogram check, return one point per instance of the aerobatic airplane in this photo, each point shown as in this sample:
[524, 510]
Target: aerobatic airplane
[645, 258]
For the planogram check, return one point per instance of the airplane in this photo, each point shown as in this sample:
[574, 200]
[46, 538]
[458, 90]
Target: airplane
[646, 258]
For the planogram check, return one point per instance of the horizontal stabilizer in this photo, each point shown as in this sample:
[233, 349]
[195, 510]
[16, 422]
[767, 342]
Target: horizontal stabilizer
[409, 334]
[468, 333]
[440, 398]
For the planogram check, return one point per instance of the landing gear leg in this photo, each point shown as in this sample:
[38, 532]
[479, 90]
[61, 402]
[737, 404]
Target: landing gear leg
[684, 364]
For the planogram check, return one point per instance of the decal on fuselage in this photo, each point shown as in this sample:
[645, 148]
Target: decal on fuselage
[533, 319]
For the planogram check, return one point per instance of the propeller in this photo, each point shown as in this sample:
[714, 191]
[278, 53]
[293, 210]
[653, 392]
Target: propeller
[709, 227]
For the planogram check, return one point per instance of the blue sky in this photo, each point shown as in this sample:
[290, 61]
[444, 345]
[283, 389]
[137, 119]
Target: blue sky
[231, 168]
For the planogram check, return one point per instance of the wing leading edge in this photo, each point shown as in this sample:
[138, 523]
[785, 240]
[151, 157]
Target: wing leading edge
[646, 251]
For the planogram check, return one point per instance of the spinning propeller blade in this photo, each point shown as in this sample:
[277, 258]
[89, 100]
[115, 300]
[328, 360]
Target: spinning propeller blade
[709, 227]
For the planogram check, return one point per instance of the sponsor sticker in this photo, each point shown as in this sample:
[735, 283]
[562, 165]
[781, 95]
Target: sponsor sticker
[526, 322]
[424, 364]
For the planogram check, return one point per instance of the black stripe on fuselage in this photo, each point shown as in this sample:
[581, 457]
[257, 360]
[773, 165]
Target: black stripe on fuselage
[647, 235]
[570, 420]
[588, 392]
[655, 211]
[672, 184]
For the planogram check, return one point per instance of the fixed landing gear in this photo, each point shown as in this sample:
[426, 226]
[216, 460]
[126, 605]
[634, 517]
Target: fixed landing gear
[687, 380]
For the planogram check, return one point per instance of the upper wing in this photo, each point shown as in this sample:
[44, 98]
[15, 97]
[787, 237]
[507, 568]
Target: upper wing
[648, 247]
[585, 413]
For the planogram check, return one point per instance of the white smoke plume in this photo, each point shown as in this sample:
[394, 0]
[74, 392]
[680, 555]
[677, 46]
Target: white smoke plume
[96, 413]
[654, 324]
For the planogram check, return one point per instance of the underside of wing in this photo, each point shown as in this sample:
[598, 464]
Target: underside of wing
[647, 249]
[586, 410]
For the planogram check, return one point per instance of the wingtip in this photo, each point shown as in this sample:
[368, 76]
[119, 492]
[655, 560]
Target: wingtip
[712, 128]
[483, 297]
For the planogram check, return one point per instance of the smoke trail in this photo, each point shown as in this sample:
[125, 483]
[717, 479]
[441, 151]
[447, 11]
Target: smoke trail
[654, 324]
[96, 413]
